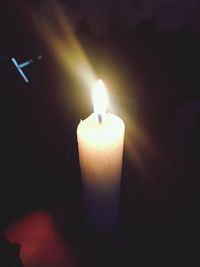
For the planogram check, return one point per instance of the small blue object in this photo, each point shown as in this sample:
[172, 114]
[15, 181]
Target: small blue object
[20, 66]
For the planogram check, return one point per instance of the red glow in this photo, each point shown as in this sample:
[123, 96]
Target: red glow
[41, 245]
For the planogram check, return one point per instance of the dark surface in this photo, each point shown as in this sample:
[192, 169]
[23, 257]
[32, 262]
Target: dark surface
[153, 76]
[9, 253]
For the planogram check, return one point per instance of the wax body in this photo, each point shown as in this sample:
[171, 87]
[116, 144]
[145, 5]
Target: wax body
[100, 148]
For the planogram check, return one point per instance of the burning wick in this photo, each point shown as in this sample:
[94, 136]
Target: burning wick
[100, 118]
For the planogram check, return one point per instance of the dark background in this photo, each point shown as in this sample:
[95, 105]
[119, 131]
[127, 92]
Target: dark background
[152, 53]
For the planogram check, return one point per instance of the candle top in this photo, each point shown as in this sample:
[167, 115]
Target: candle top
[106, 133]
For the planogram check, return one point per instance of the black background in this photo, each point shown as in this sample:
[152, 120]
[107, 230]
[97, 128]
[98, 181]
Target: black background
[157, 73]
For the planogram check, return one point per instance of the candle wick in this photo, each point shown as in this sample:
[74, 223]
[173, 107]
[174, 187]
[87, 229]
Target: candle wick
[100, 118]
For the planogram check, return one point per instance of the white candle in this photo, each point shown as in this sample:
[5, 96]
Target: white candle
[100, 144]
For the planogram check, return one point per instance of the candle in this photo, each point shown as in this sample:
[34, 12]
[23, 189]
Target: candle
[100, 145]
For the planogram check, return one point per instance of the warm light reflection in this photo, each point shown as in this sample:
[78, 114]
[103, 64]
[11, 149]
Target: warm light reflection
[100, 98]
[58, 34]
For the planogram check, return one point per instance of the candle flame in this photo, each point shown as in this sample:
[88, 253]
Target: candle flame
[100, 98]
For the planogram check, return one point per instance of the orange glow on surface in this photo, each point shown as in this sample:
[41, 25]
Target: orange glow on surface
[41, 244]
